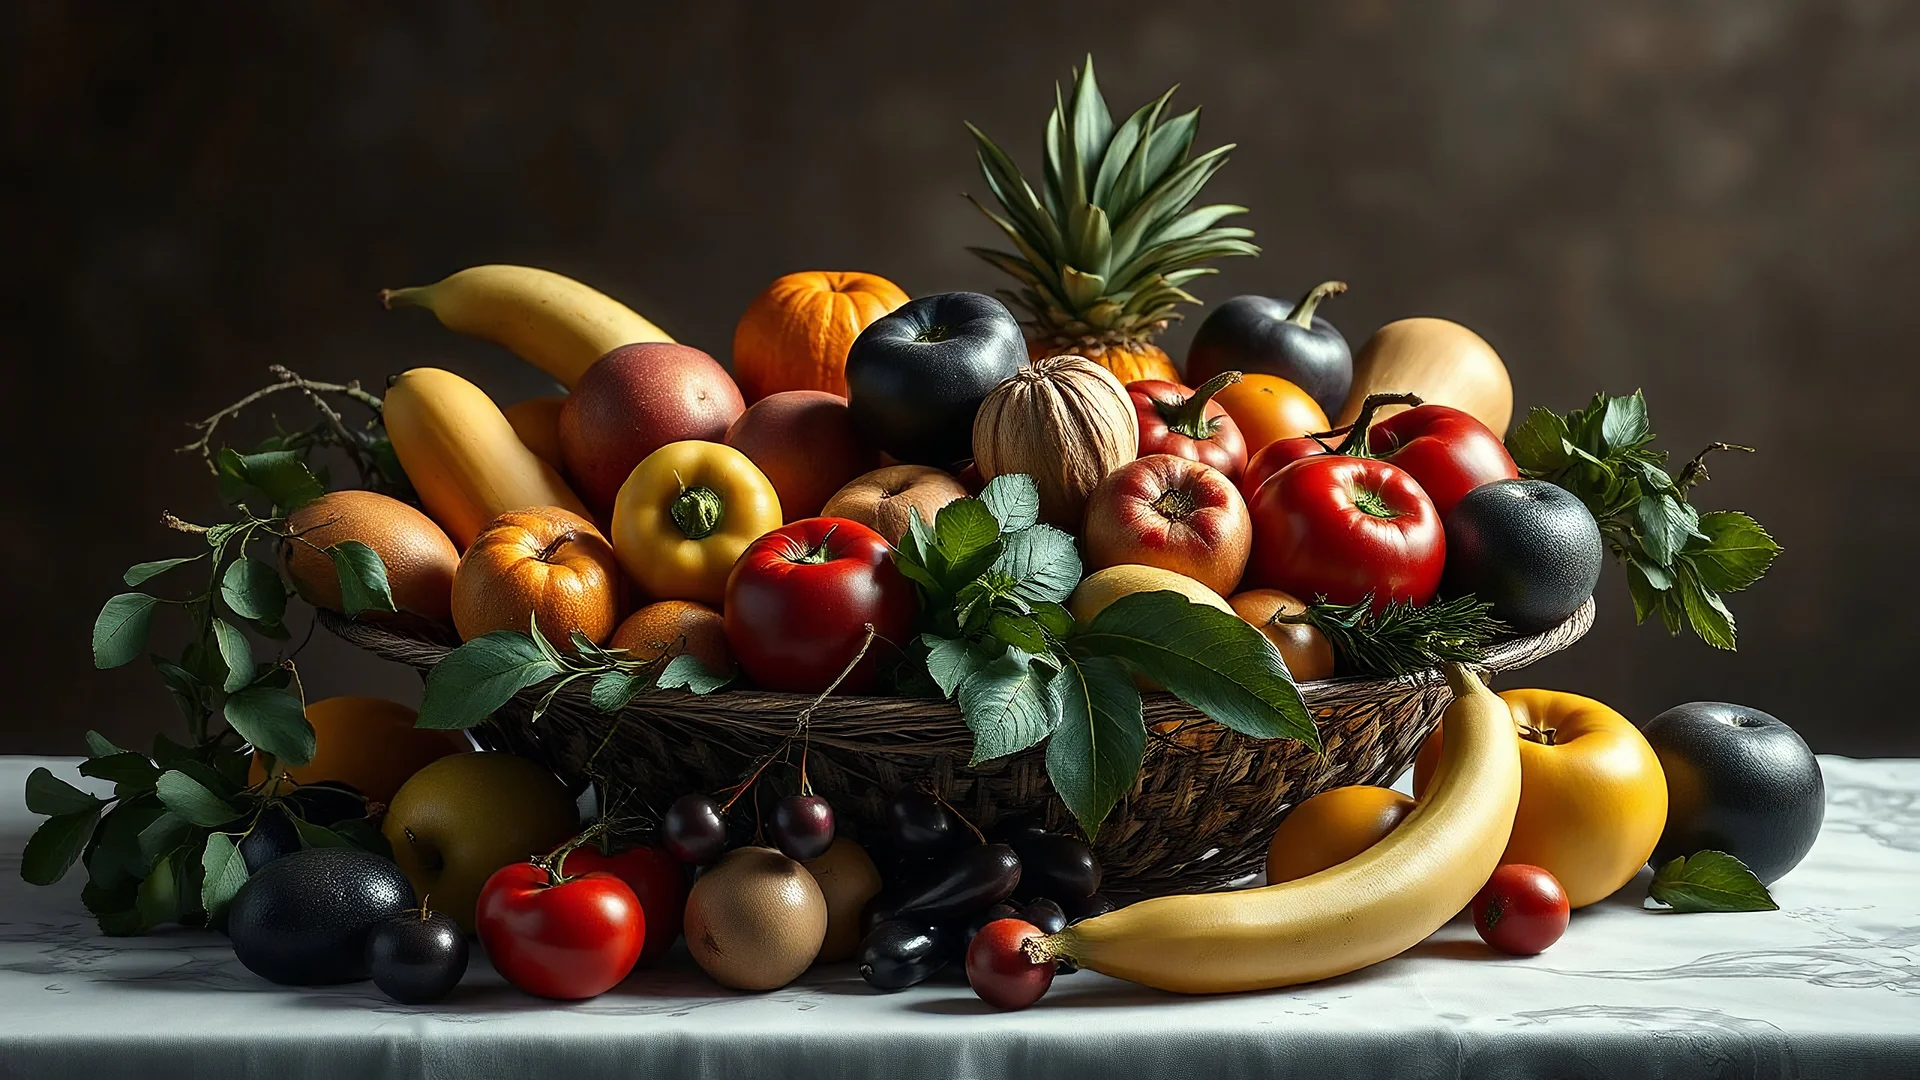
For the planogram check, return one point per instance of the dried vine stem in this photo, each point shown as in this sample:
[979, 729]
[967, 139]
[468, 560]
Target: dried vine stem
[364, 445]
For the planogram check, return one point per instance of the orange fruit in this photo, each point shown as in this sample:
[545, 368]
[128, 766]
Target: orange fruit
[1331, 828]
[672, 627]
[1268, 408]
[1308, 653]
[419, 557]
[537, 422]
[368, 742]
[542, 562]
[795, 335]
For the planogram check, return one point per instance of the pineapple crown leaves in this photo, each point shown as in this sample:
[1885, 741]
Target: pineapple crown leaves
[1107, 244]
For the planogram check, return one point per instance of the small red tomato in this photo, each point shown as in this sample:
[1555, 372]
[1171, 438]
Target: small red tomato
[1345, 528]
[658, 881]
[1000, 971]
[799, 600]
[1189, 423]
[567, 938]
[1521, 910]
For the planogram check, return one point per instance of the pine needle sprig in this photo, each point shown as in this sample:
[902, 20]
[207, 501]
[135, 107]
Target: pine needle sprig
[1401, 638]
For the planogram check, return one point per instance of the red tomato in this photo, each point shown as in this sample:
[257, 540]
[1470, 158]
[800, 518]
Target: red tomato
[1278, 455]
[1342, 528]
[658, 881]
[998, 968]
[1189, 423]
[1521, 910]
[799, 600]
[1448, 451]
[565, 938]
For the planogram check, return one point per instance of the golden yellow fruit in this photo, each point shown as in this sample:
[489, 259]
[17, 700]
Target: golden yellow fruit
[1443, 362]
[847, 879]
[1331, 828]
[367, 742]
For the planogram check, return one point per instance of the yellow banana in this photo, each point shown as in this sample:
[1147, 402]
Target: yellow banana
[549, 320]
[1365, 910]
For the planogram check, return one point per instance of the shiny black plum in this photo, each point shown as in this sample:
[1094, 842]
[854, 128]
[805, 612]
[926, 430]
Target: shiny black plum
[916, 378]
[272, 836]
[802, 827]
[694, 830]
[416, 956]
[959, 885]
[1061, 867]
[1261, 335]
[1739, 781]
[904, 952]
[1047, 916]
[1086, 907]
[919, 825]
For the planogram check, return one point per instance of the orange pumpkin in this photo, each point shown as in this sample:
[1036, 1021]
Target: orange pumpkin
[542, 562]
[1129, 361]
[796, 334]
[1268, 408]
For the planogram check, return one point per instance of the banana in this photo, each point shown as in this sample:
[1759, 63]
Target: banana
[549, 320]
[1365, 910]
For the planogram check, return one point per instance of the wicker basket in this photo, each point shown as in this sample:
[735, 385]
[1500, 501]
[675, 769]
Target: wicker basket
[1199, 817]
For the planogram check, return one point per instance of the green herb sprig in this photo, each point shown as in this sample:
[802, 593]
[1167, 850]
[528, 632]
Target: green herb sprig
[1680, 562]
[1401, 638]
[997, 640]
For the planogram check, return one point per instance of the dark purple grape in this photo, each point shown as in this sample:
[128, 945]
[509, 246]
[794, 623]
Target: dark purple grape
[903, 953]
[1058, 866]
[695, 831]
[416, 956]
[1086, 907]
[962, 883]
[920, 825]
[802, 827]
[1045, 915]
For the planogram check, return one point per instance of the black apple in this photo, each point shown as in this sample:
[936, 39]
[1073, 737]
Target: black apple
[916, 377]
[416, 956]
[1738, 781]
[1528, 547]
[1258, 334]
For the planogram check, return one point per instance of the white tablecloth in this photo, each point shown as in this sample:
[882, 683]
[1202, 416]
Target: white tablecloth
[1829, 986]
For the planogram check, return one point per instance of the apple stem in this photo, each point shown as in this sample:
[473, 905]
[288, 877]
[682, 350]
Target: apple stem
[697, 511]
[547, 553]
[1188, 416]
[1355, 444]
[1302, 315]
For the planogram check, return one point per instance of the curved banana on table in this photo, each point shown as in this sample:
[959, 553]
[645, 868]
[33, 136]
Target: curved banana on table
[549, 320]
[1365, 910]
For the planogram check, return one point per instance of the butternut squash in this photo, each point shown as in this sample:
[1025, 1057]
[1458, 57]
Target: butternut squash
[462, 455]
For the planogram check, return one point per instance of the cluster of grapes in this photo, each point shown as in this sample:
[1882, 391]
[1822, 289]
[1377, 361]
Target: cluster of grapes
[943, 881]
[698, 830]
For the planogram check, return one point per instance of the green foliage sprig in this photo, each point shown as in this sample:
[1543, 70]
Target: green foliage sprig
[1400, 638]
[1680, 562]
[997, 640]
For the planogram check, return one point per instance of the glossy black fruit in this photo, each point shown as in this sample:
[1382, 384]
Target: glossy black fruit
[694, 830]
[904, 952]
[802, 827]
[304, 918]
[916, 377]
[1043, 913]
[416, 956]
[919, 825]
[1058, 866]
[1528, 547]
[272, 836]
[328, 803]
[1086, 907]
[1004, 830]
[1260, 335]
[964, 882]
[1738, 781]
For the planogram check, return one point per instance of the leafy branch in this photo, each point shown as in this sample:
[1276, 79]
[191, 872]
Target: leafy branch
[366, 445]
[1401, 638]
[1680, 562]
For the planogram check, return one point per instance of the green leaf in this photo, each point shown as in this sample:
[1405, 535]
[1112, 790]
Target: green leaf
[362, 834]
[1019, 631]
[1623, 424]
[274, 721]
[1735, 553]
[99, 745]
[363, 577]
[1210, 659]
[1093, 757]
[1057, 620]
[158, 898]
[1007, 704]
[612, 692]
[189, 693]
[470, 682]
[56, 845]
[686, 672]
[236, 652]
[224, 871]
[120, 631]
[189, 799]
[1044, 563]
[116, 858]
[48, 794]
[101, 901]
[131, 773]
[252, 590]
[1014, 501]
[968, 538]
[138, 573]
[949, 662]
[1664, 524]
[317, 836]
[166, 831]
[282, 477]
[1709, 616]
[1538, 445]
[1710, 881]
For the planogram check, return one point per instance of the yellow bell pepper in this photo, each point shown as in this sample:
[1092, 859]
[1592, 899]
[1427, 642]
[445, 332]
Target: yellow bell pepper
[684, 516]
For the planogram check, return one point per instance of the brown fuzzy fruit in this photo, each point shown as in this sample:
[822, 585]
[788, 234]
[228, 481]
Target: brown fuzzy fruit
[419, 557]
[1066, 422]
[543, 562]
[756, 920]
[1308, 653]
[672, 627]
[884, 499]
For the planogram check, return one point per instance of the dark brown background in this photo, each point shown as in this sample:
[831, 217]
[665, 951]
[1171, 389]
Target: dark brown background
[1714, 201]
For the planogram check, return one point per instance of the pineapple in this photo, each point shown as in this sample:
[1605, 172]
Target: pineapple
[1104, 250]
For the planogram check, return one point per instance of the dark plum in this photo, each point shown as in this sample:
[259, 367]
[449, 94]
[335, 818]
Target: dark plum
[964, 882]
[802, 827]
[272, 836]
[904, 952]
[1050, 917]
[327, 803]
[416, 956]
[694, 830]
[1062, 867]
[920, 824]
[1087, 907]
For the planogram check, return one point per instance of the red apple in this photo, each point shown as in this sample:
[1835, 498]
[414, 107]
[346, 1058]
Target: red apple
[805, 442]
[1173, 513]
[635, 400]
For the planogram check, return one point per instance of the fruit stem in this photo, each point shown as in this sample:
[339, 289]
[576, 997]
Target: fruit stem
[1302, 315]
[1355, 444]
[818, 553]
[800, 729]
[547, 553]
[1369, 502]
[697, 511]
[1174, 504]
[555, 861]
[415, 296]
[1188, 416]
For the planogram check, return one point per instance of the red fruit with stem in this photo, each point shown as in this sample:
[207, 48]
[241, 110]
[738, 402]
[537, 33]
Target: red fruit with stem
[999, 969]
[1189, 423]
[1346, 528]
[658, 881]
[558, 935]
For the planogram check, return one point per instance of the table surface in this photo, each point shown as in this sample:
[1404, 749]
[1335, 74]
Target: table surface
[1828, 986]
